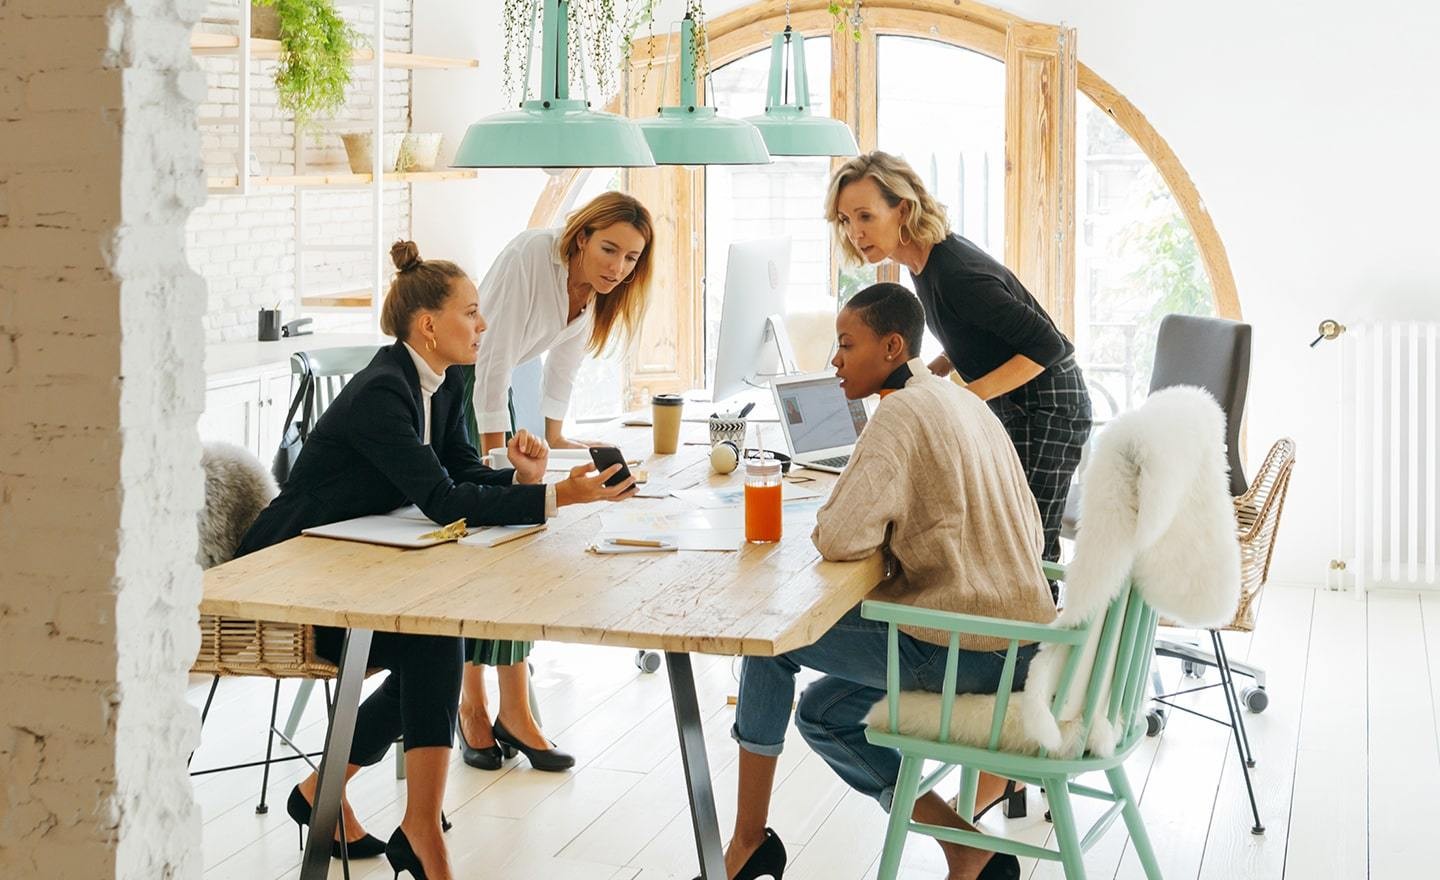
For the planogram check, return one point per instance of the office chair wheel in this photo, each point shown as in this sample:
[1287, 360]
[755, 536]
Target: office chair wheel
[1154, 722]
[1255, 699]
[1192, 669]
[648, 661]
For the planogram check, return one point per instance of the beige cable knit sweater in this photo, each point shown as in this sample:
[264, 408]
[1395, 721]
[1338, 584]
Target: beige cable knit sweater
[935, 462]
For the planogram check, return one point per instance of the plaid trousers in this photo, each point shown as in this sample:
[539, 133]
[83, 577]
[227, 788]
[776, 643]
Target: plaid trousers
[1048, 420]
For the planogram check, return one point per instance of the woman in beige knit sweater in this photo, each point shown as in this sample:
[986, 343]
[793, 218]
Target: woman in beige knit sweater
[935, 472]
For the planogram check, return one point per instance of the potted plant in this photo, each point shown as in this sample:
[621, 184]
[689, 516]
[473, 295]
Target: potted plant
[316, 46]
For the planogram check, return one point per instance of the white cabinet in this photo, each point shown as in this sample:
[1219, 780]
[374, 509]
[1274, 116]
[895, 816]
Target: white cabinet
[248, 411]
[232, 413]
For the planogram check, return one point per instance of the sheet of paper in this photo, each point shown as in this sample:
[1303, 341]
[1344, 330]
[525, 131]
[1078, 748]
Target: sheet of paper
[651, 521]
[710, 498]
[494, 536]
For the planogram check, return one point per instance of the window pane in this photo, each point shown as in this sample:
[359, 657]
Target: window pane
[786, 197]
[942, 108]
[1136, 261]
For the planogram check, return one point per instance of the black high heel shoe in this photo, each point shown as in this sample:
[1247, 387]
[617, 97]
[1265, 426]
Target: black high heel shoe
[1014, 800]
[401, 856]
[550, 760]
[766, 861]
[491, 758]
[367, 847]
[1002, 866]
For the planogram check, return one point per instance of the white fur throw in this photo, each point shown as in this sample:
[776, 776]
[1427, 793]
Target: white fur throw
[1156, 508]
[237, 488]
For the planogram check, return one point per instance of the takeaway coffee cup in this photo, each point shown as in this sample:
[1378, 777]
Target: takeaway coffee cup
[665, 410]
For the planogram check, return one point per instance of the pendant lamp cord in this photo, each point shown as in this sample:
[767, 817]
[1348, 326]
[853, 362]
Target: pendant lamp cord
[785, 79]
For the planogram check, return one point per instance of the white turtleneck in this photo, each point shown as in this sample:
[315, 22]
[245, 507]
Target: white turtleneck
[429, 382]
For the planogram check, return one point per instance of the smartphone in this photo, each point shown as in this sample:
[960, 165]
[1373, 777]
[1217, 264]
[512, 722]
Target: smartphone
[604, 457]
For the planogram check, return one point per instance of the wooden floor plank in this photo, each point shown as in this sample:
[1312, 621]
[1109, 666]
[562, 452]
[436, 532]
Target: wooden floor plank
[1404, 771]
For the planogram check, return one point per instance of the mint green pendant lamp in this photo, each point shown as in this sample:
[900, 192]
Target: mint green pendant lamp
[553, 130]
[789, 128]
[691, 133]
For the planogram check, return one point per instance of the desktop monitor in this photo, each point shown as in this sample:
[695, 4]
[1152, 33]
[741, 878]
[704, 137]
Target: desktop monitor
[751, 343]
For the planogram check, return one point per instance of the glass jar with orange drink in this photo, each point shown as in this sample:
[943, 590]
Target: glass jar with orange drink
[762, 500]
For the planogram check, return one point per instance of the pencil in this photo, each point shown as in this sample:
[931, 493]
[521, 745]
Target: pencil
[636, 542]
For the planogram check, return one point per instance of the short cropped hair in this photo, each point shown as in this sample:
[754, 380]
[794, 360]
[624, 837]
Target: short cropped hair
[889, 308]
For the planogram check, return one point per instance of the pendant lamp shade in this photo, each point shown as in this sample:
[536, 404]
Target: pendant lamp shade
[693, 134]
[789, 128]
[554, 130]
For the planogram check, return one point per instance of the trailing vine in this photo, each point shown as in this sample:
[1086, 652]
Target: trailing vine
[847, 18]
[597, 28]
[315, 58]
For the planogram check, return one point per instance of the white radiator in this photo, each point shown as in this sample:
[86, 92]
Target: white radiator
[1389, 527]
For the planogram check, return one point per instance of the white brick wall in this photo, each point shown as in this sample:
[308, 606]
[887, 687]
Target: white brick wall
[99, 481]
[246, 247]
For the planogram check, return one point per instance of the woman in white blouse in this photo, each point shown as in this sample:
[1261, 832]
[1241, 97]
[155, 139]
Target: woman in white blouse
[562, 293]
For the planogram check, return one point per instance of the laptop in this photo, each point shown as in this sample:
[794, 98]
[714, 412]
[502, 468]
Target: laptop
[820, 424]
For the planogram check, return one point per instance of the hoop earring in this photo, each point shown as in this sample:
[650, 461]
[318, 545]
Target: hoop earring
[430, 344]
[902, 237]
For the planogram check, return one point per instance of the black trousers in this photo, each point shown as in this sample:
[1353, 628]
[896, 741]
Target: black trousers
[1048, 419]
[418, 700]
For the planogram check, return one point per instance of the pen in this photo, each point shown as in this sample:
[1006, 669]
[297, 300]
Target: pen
[745, 410]
[636, 542]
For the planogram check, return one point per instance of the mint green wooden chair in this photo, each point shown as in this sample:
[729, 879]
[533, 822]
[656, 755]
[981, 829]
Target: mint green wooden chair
[1114, 690]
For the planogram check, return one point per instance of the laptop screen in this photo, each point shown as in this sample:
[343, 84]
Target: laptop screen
[817, 414]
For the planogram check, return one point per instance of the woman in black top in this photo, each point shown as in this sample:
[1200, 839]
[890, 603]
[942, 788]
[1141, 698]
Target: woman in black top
[394, 436]
[996, 336]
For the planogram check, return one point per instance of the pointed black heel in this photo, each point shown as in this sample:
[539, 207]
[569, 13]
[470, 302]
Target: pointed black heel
[549, 760]
[401, 856]
[766, 861]
[491, 758]
[367, 847]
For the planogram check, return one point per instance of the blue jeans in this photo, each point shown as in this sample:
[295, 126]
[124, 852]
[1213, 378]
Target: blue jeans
[832, 710]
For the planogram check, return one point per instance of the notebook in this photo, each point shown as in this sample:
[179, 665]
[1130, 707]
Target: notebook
[410, 529]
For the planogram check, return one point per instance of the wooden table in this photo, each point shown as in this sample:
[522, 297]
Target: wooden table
[763, 600]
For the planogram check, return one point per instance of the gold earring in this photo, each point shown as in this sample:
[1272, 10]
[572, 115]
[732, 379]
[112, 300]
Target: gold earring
[430, 345]
[902, 236]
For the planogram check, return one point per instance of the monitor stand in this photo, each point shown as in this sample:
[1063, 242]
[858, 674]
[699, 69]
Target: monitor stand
[775, 334]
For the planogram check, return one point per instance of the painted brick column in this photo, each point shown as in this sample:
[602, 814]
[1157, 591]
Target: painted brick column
[100, 386]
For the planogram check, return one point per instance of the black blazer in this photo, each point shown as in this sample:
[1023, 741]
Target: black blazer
[365, 457]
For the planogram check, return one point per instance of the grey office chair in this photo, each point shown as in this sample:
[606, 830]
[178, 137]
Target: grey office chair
[1214, 354]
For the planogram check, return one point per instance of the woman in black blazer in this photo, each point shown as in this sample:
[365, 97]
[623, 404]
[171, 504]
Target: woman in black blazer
[394, 436]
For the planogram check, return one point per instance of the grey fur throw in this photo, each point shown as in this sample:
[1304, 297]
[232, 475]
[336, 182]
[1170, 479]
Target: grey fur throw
[237, 488]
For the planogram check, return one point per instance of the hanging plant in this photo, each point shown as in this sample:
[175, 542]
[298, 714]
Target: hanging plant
[316, 47]
[597, 28]
[700, 41]
[847, 18]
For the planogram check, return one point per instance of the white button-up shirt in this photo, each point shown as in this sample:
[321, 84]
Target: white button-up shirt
[525, 303]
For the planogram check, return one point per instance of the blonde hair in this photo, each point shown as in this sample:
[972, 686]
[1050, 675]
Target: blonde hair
[925, 221]
[419, 285]
[624, 306]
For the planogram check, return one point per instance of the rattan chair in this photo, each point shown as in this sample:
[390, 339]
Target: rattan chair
[1257, 520]
[237, 488]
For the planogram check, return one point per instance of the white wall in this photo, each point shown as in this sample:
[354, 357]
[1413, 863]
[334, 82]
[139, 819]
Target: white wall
[467, 222]
[1311, 130]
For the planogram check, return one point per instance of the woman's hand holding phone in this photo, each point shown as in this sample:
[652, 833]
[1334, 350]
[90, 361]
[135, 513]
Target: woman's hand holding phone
[584, 485]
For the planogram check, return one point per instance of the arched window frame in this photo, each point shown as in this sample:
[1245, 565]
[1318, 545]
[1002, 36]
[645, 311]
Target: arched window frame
[668, 357]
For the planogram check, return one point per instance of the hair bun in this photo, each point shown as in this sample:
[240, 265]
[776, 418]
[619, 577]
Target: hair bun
[405, 254]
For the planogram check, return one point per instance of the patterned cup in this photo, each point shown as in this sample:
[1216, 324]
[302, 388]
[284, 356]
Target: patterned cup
[727, 429]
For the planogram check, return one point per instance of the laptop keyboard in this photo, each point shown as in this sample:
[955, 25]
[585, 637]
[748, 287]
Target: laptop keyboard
[835, 461]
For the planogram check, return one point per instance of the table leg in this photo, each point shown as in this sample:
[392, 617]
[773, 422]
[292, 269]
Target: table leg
[325, 813]
[697, 766]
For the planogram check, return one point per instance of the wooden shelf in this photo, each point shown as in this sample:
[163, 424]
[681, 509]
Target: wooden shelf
[322, 178]
[339, 299]
[226, 44]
